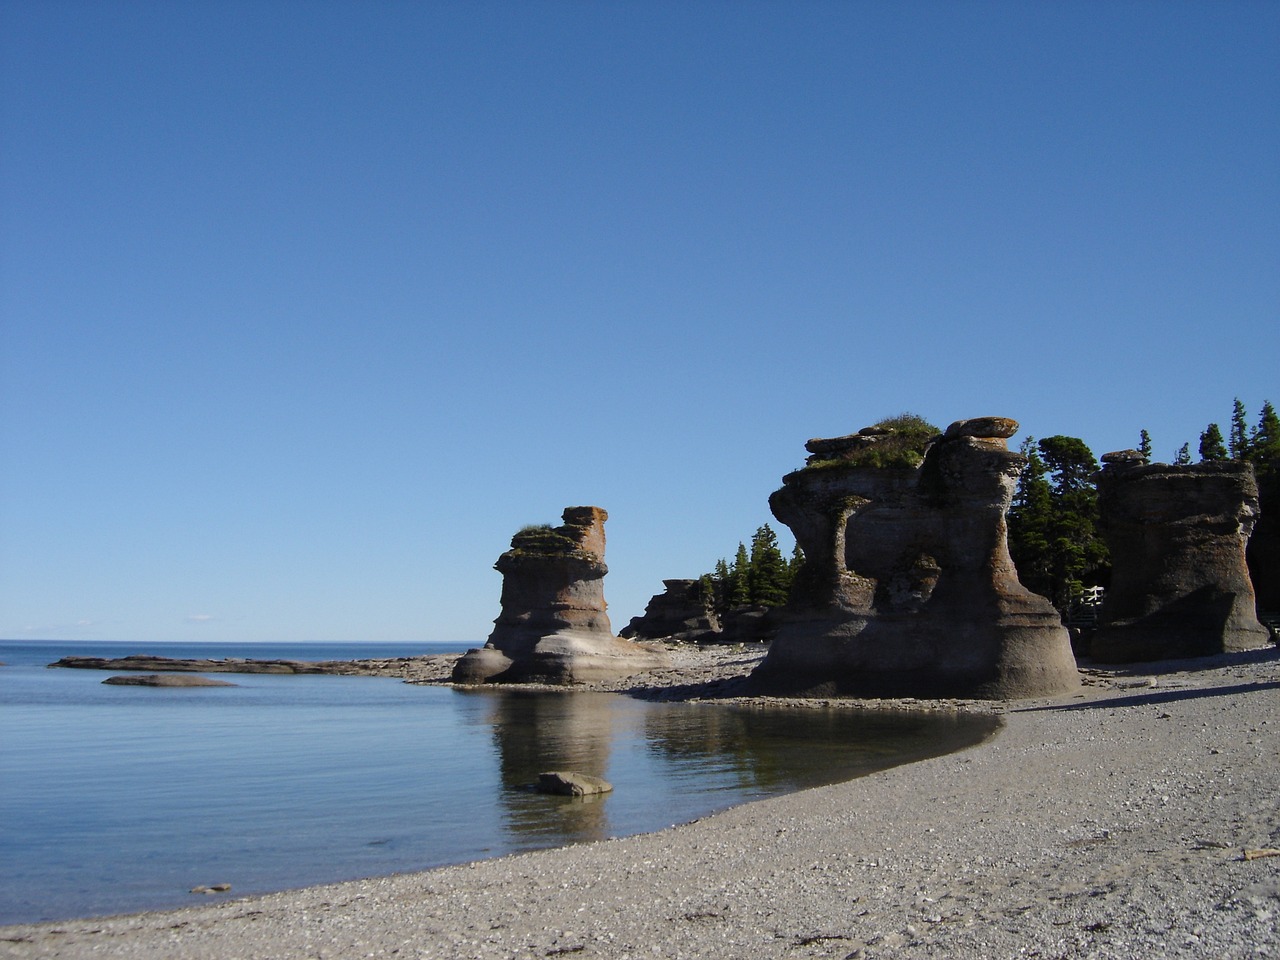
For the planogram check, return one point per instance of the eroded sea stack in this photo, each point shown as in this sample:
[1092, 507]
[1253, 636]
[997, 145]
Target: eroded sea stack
[1179, 583]
[908, 588]
[553, 627]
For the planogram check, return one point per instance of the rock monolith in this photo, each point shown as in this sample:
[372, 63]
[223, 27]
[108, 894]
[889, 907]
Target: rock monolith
[1179, 583]
[553, 627]
[908, 588]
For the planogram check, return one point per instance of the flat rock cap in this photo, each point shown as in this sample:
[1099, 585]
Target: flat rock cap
[995, 428]
[1124, 456]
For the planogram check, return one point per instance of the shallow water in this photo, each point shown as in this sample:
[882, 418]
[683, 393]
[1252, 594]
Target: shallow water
[116, 799]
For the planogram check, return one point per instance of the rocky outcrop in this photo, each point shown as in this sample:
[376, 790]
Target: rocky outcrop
[394, 666]
[143, 661]
[908, 588]
[1179, 583]
[553, 627]
[680, 613]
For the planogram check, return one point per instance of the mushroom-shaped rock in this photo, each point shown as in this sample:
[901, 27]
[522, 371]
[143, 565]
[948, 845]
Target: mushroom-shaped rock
[907, 587]
[553, 627]
[984, 428]
[1124, 458]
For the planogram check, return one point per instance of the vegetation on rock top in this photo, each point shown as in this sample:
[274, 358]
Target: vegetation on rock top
[544, 540]
[903, 443]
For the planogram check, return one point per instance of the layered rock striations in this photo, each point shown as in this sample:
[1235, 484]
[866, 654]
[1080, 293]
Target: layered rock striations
[908, 588]
[553, 627]
[680, 613]
[1179, 583]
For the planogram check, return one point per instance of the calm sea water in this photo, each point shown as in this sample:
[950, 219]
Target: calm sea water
[116, 799]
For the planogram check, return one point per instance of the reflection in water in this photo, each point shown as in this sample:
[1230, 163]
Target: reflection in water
[671, 763]
[538, 732]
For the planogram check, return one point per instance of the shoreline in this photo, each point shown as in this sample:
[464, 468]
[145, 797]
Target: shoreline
[1112, 822]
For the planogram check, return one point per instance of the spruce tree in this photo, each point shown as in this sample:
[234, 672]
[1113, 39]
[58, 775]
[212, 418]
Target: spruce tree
[1183, 456]
[1211, 446]
[1144, 445]
[1264, 441]
[1052, 521]
[794, 565]
[1238, 440]
[738, 589]
[1030, 516]
[768, 574]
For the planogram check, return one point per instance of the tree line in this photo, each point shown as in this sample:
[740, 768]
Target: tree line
[1053, 521]
[1053, 535]
[761, 576]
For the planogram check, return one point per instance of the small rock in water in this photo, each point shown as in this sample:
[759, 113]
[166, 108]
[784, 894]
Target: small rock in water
[212, 888]
[571, 784]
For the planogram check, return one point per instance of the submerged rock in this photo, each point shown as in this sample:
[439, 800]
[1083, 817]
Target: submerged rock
[570, 784]
[553, 627]
[1177, 534]
[908, 589]
[165, 680]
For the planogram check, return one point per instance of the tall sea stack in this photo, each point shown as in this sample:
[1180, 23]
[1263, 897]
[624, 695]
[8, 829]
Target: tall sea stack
[1179, 583]
[553, 627]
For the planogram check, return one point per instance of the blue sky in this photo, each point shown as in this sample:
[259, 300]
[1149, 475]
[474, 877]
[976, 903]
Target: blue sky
[307, 307]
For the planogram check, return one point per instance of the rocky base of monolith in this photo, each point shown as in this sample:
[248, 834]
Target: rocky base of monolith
[553, 627]
[908, 589]
[1177, 534]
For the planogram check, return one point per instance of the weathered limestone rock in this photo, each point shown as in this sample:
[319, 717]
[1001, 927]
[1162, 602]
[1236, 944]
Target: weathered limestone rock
[679, 613]
[908, 588]
[570, 784]
[553, 627]
[1179, 583]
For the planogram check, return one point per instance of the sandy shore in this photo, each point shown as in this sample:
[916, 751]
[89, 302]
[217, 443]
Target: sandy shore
[1131, 820]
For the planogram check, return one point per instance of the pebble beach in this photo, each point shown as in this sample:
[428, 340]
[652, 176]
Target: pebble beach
[1138, 817]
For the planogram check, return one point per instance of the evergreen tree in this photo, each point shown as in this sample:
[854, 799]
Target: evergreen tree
[1183, 456]
[1211, 445]
[738, 587]
[1238, 440]
[1263, 552]
[767, 578]
[1030, 517]
[794, 565]
[1052, 521]
[1264, 441]
[1071, 462]
[1144, 445]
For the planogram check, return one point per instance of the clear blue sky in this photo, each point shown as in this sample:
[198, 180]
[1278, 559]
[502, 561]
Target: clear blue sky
[308, 306]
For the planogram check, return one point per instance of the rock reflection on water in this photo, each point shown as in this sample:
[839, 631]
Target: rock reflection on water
[671, 763]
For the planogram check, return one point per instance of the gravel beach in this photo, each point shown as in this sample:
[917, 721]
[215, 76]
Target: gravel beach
[1137, 818]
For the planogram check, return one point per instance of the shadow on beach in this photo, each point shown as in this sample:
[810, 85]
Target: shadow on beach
[1157, 697]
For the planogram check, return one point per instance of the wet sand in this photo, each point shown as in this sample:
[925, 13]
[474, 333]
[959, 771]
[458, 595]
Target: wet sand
[1137, 818]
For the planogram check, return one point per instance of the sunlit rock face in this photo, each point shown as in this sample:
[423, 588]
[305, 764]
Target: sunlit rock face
[908, 588]
[1179, 583]
[553, 627]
